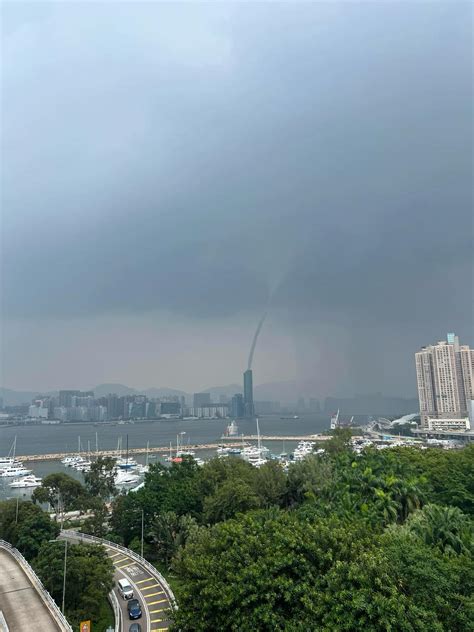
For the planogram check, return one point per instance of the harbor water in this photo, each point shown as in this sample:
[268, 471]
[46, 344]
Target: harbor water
[52, 439]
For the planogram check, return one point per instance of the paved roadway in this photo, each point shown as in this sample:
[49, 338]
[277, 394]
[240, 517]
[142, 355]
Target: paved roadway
[147, 590]
[22, 606]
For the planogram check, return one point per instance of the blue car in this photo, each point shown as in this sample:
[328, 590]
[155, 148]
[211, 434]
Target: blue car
[134, 609]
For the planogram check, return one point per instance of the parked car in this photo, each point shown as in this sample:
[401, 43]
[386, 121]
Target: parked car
[135, 627]
[134, 609]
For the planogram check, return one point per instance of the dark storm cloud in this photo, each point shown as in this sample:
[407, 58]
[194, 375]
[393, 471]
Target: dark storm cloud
[195, 159]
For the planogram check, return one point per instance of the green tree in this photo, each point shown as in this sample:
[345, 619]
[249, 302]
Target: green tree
[439, 584]
[89, 578]
[126, 517]
[309, 479]
[270, 484]
[169, 532]
[229, 499]
[274, 570]
[33, 531]
[61, 491]
[100, 480]
[339, 442]
[96, 524]
[27, 528]
[444, 527]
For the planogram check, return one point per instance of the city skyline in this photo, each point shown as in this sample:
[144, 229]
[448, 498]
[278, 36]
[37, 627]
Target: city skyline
[171, 177]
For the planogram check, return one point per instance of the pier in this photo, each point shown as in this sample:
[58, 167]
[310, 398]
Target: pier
[229, 441]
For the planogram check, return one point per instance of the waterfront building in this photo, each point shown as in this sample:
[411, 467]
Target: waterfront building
[249, 409]
[38, 410]
[237, 408]
[211, 411]
[445, 424]
[201, 399]
[444, 374]
[65, 397]
[170, 408]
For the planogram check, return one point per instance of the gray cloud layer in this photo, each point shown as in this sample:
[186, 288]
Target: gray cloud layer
[196, 158]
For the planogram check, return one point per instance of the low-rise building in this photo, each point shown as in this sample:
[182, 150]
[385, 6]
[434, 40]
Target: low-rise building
[455, 425]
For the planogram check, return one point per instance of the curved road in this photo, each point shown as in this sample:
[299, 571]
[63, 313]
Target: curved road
[22, 606]
[148, 586]
[147, 589]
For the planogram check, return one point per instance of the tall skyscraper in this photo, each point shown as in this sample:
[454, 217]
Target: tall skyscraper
[249, 408]
[444, 374]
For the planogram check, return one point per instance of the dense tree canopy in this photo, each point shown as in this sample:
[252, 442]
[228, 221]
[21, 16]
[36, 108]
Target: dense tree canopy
[89, 577]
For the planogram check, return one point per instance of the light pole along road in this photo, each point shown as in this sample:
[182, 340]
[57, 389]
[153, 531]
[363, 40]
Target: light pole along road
[149, 587]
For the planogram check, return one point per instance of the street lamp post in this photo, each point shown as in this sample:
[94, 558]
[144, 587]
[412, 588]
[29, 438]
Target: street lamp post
[142, 531]
[64, 572]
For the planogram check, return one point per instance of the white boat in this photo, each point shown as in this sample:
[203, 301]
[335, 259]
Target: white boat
[9, 461]
[12, 472]
[123, 477]
[255, 455]
[83, 466]
[232, 430]
[69, 460]
[303, 449]
[27, 481]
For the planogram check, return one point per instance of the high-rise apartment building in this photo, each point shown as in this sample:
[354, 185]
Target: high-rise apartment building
[444, 374]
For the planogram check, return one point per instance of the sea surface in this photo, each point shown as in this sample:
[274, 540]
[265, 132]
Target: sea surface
[49, 439]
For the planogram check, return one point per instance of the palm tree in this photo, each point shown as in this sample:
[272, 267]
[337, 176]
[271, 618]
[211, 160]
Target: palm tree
[445, 527]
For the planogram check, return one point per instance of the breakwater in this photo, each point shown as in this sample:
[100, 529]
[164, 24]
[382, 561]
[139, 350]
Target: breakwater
[231, 442]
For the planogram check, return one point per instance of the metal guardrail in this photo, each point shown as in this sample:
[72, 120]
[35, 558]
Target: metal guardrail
[35, 580]
[3, 623]
[77, 535]
[117, 612]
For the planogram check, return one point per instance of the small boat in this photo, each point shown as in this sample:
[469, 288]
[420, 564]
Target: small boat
[69, 460]
[27, 481]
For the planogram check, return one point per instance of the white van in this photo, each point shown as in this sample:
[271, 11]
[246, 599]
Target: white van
[124, 588]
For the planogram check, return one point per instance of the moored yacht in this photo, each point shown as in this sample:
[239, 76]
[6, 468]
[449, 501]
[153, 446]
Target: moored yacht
[11, 472]
[27, 481]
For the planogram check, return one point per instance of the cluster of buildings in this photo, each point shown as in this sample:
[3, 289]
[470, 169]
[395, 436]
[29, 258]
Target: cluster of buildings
[445, 378]
[73, 405]
[239, 406]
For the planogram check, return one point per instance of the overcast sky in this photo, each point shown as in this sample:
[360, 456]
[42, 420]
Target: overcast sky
[170, 169]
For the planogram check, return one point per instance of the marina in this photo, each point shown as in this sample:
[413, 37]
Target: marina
[164, 450]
